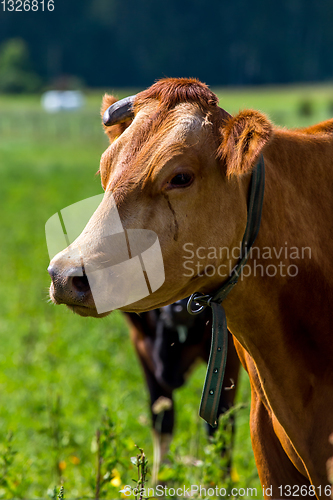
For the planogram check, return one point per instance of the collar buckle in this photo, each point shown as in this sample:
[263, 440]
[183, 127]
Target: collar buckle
[198, 299]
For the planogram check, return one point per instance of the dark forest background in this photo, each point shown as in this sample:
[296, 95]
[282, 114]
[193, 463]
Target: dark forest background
[132, 43]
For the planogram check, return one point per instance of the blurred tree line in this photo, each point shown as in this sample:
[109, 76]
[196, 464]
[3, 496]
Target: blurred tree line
[130, 43]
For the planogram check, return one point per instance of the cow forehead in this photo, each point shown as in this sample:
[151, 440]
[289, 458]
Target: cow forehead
[182, 127]
[181, 121]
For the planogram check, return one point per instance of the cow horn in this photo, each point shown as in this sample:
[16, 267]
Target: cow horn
[119, 112]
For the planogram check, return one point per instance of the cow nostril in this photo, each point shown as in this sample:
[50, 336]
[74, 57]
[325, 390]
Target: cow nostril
[81, 284]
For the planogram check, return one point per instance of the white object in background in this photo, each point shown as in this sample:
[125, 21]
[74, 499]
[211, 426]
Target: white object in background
[59, 100]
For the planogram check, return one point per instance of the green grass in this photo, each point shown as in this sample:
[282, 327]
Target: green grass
[283, 105]
[58, 371]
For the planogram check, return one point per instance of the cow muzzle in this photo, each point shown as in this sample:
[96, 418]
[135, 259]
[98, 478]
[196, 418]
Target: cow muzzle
[71, 287]
[106, 267]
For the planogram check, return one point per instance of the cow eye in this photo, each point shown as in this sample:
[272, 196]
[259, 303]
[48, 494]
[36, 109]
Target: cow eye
[181, 180]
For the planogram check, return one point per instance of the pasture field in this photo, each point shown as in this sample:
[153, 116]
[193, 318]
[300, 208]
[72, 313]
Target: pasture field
[60, 374]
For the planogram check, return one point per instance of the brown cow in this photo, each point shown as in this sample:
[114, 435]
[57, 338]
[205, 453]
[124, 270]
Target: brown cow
[182, 169]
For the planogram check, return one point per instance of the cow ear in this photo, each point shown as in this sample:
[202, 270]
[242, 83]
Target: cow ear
[115, 130]
[243, 138]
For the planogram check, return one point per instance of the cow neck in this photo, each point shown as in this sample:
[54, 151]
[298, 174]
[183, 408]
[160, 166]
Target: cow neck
[219, 346]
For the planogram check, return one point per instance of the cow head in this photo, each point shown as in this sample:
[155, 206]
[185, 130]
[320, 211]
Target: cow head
[180, 166]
